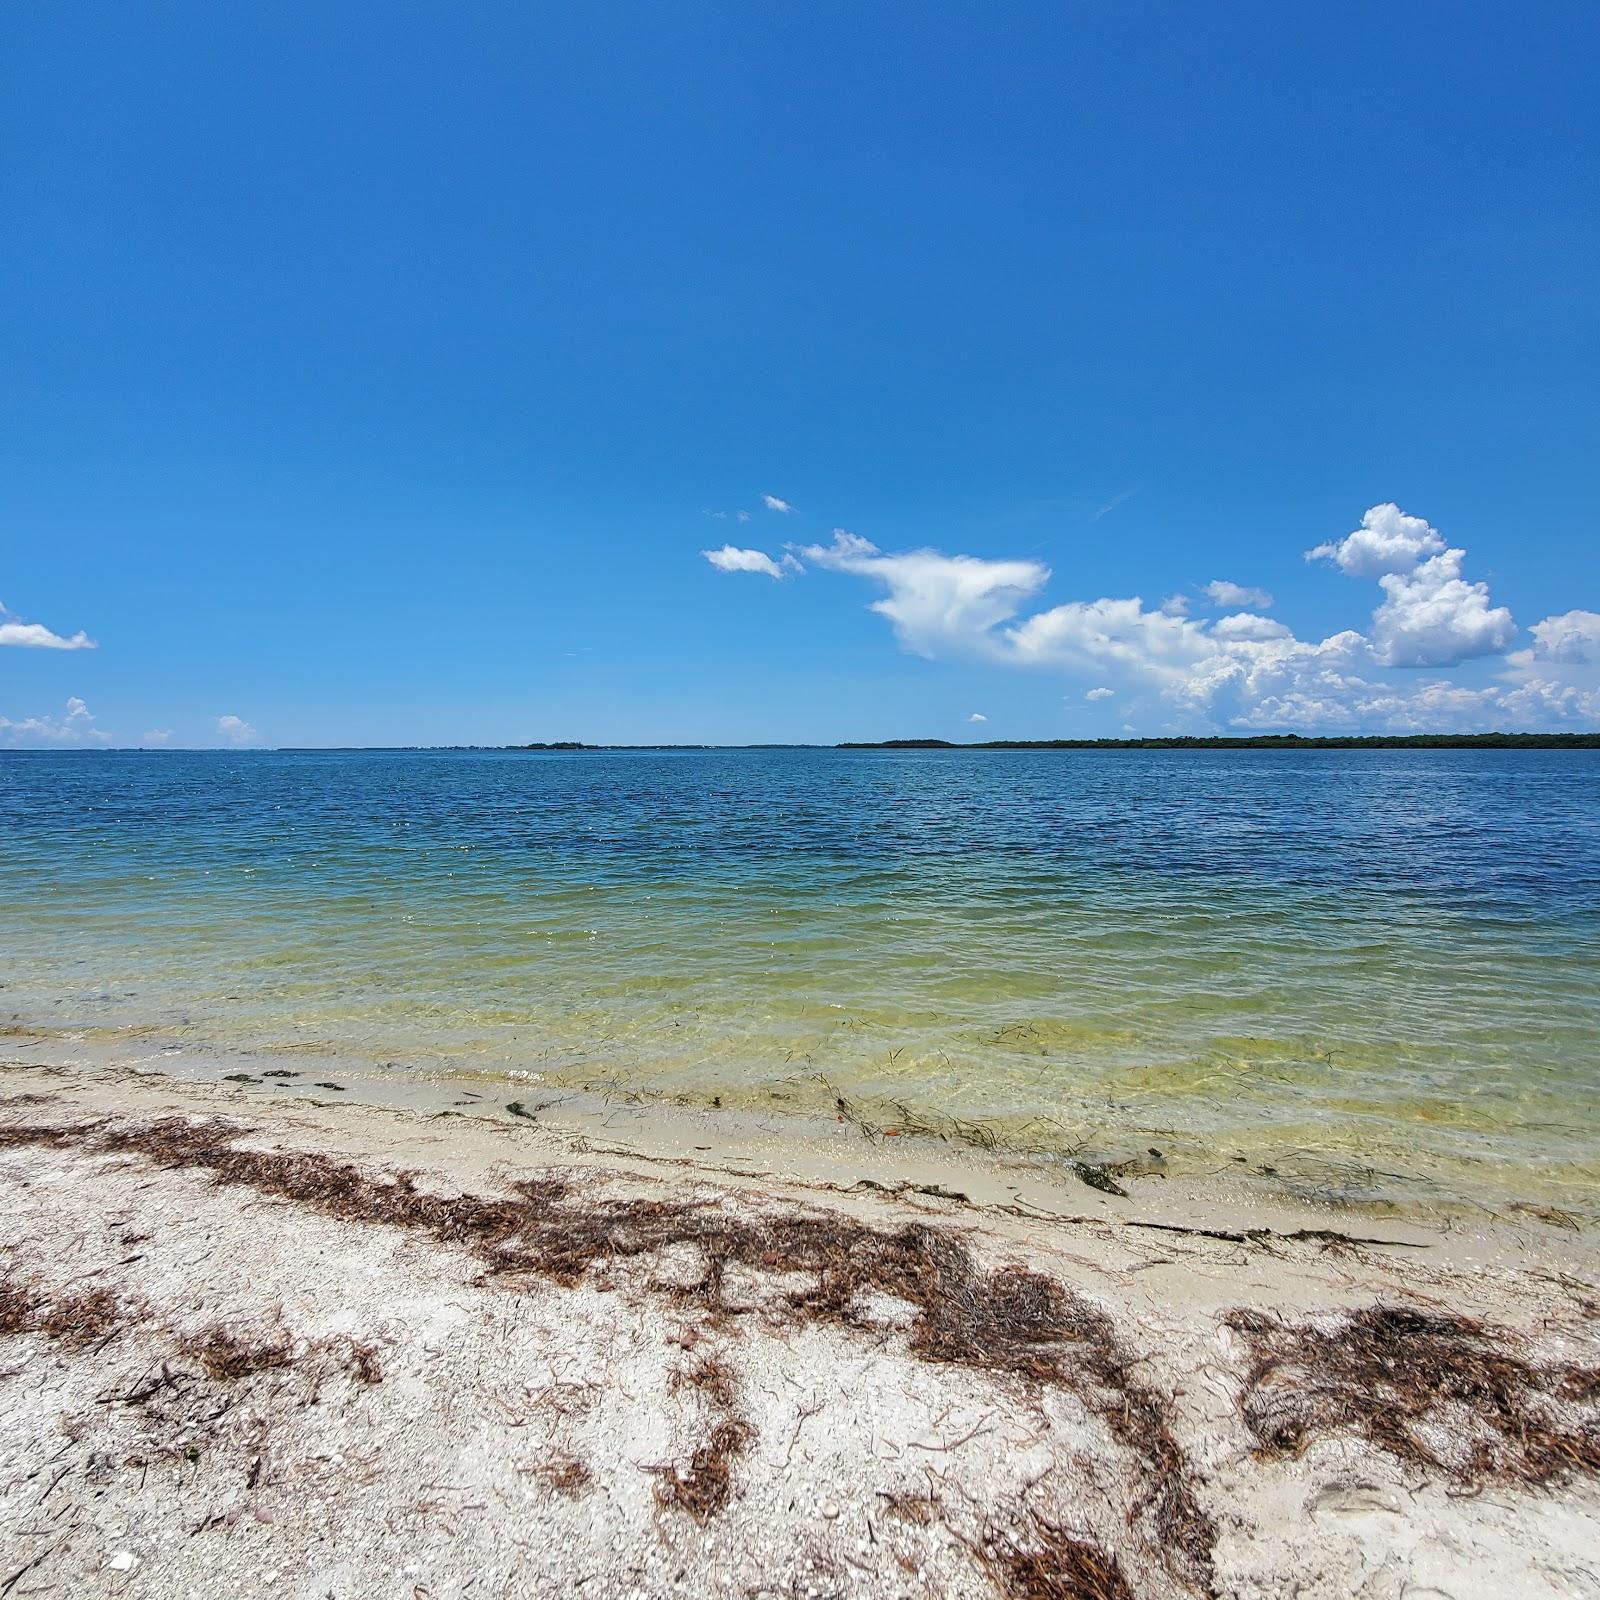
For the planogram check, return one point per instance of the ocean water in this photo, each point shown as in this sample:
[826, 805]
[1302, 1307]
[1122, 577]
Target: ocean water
[1377, 969]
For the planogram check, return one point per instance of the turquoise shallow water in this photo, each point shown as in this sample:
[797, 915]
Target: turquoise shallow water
[1385, 959]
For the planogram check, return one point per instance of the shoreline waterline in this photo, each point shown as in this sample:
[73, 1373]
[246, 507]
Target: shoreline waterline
[836, 1137]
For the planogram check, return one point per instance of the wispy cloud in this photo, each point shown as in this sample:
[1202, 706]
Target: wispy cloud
[730, 558]
[1111, 504]
[773, 503]
[938, 604]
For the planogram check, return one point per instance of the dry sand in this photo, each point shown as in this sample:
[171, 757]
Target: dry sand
[643, 1375]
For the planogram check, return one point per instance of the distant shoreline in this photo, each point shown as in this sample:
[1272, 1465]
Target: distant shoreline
[1267, 741]
[1271, 741]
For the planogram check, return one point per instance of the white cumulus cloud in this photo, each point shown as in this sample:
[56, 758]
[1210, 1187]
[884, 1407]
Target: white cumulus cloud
[1243, 669]
[1432, 617]
[1387, 541]
[35, 636]
[977, 716]
[773, 503]
[77, 726]
[1085, 635]
[236, 730]
[1558, 676]
[1247, 625]
[1572, 639]
[1222, 593]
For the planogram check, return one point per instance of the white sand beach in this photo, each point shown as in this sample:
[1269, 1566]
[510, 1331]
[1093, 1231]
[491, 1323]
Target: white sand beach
[240, 1357]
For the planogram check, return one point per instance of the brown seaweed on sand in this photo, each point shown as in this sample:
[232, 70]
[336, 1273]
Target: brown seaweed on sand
[1441, 1392]
[225, 1354]
[713, 1377]
[563, 1474]
[704, 1485]
[1048, 1563]
[74, 1320]
[1009, 1322]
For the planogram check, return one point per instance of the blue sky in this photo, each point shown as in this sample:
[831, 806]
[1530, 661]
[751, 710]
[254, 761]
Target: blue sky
[375, 374]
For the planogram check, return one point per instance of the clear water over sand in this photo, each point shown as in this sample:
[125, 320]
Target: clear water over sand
[1324, 960]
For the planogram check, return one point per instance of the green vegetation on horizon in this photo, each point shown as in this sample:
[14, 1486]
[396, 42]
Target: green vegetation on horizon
[1262, 741]
[1254, 741]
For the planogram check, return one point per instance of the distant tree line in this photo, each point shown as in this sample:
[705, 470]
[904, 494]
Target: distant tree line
[1254, 741]
[1263, 741]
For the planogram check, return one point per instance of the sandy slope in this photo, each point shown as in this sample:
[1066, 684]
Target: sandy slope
[388, 1416]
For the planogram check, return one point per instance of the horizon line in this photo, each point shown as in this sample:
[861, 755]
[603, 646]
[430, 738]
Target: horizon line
[1495, 739]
